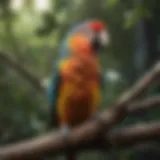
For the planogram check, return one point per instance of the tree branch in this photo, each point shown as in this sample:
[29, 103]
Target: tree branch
[142, 105]
[43, 146]
[133, 135]
[118, 111]
[85, 134]
[35, 81]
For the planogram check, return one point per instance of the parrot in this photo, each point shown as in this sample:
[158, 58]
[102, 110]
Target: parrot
[77, 83]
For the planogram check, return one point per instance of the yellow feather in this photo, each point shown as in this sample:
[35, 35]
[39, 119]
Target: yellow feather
[66, 90]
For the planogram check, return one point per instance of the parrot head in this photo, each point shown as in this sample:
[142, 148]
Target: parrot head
[86, 39]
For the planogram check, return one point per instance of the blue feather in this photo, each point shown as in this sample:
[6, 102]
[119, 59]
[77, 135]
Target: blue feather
[54, 87]
[53, 92]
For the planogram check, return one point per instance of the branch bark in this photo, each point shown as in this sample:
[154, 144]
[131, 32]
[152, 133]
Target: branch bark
[133, 135]
[85, 134]
[23, 71]
[113, 140]
[141, 105]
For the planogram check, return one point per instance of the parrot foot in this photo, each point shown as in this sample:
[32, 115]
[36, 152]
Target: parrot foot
[65, 130]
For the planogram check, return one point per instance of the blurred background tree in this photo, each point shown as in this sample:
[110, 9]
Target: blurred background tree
[31, 32]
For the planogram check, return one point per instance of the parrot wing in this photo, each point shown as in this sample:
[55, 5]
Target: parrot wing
[53, 96]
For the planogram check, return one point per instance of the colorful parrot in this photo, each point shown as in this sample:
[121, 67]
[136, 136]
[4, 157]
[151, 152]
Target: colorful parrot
[77, 83]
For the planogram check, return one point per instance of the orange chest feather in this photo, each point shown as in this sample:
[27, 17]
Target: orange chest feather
[79, 94]
[77, 104]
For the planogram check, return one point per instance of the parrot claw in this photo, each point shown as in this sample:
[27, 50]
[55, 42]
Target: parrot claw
[65, 130]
